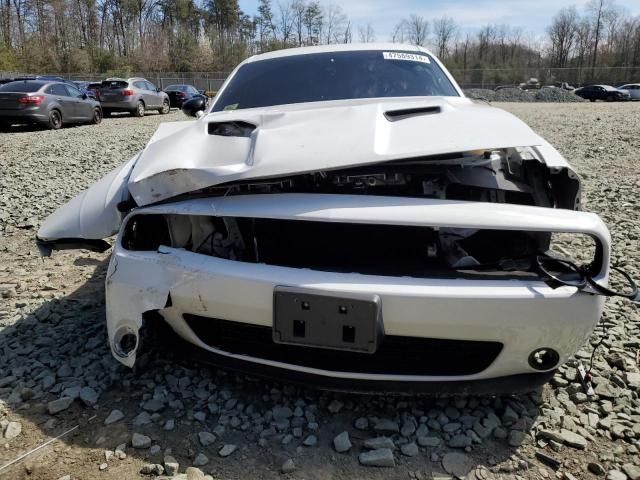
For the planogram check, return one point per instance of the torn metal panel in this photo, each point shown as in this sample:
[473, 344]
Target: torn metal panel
[93, 214]
[303, 138]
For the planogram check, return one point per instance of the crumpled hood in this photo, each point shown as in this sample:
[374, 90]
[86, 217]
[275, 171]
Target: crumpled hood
[183, 157]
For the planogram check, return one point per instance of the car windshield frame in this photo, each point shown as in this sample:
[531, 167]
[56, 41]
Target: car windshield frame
[334, 76]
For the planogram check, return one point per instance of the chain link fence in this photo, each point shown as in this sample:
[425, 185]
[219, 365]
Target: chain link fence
[467, 78]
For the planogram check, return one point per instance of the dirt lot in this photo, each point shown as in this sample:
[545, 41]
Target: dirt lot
[53, 346]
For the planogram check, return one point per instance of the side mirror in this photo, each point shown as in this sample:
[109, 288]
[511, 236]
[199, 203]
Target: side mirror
[84, 96]
[158, 89]
[194, 107]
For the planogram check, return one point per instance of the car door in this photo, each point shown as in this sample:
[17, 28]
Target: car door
[140, 90]
[153, 93]
[83, 107]
[62, 97]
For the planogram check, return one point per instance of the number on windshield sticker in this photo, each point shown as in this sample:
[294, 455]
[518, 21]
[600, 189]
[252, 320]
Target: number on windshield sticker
[409, 57]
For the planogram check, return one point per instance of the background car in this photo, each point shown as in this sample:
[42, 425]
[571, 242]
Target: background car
[45, 102]
[90, 88]
[133, 95]
[602, 92]
[180, 93]
[633, 89]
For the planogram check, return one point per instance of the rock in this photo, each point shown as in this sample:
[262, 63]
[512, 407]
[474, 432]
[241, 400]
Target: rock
[342, 443]
[227, 450]
[206, 438]
[429, 441]
[282, 413]
[451, 427]
[378, 443]
[89, 396]
[193, 473]
[140, 441]
[382, 457]
[457, 464]
[596, 469]
[408, 428]
[335, 406]
[103, 467]
[310, 441]
[153, 405]
[113, 417]
[361, 423]
[384, 425]
[152, 469]
[59, 405]
[154, 450]
[459, 441]
[509, 416]
[615, 475]
[13, 430]
[288, 466]
[200, 460]
[517, 438]
[200, 416]
[550, 435]
[632, 471]
[573, 439]
[169, 425]
[410, 449]
[633, 380]
[143, 418]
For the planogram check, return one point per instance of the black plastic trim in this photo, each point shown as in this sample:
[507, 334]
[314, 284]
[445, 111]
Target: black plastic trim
[45, 247]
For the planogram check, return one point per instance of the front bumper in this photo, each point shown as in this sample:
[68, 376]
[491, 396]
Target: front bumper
[521, 314]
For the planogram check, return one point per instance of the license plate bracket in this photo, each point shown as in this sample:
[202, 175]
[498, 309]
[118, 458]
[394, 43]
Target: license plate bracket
[335, 320]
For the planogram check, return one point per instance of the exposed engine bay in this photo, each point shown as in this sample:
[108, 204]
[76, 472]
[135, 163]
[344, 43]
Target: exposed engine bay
[502, 176]
[513, 175]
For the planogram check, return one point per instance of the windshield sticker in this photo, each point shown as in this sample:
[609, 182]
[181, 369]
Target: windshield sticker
[233, 106]
[408, 57]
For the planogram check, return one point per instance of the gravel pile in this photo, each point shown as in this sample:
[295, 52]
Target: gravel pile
[172, 417]
[554, 95]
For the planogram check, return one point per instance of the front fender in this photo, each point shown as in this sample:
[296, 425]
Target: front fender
[88, 218]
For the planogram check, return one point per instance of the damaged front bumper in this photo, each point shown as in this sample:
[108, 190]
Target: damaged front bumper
[453, 329]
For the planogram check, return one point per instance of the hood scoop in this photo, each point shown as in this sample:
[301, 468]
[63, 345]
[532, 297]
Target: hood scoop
[395, 115]
[231, 129]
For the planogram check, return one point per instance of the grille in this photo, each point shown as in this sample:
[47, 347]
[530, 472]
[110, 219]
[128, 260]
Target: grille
[397, 355]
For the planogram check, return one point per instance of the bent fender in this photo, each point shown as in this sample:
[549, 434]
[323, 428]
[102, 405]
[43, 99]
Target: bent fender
[90, 217]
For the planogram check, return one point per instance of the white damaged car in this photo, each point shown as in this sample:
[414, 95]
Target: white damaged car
[345, 217]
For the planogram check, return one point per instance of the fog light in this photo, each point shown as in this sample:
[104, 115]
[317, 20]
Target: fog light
[544, 359]
[125, 341]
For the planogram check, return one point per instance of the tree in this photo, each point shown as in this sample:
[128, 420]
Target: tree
[366, 34]
[444, 29]
[562, 35]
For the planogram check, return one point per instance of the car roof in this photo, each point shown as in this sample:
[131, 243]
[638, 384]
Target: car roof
[346, 47]
[630, 85]
[37, 84]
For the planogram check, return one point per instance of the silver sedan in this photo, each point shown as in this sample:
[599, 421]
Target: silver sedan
[633, 89]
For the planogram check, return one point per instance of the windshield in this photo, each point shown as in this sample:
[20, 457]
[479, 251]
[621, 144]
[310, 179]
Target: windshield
[319, 77]
[176, 88]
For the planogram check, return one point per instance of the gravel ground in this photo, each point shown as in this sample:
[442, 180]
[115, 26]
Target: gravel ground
[169, 415]
[554, 95]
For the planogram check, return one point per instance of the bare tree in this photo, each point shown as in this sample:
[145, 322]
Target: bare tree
[416, 29]
[598, 9]
[562, 35]
[366, 34]
[444, 30]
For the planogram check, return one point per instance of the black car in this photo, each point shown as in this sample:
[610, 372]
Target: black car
[45, 102]
[602, 92]
[178, 94]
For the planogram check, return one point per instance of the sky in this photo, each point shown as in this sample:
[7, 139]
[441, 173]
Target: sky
[532, 16]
